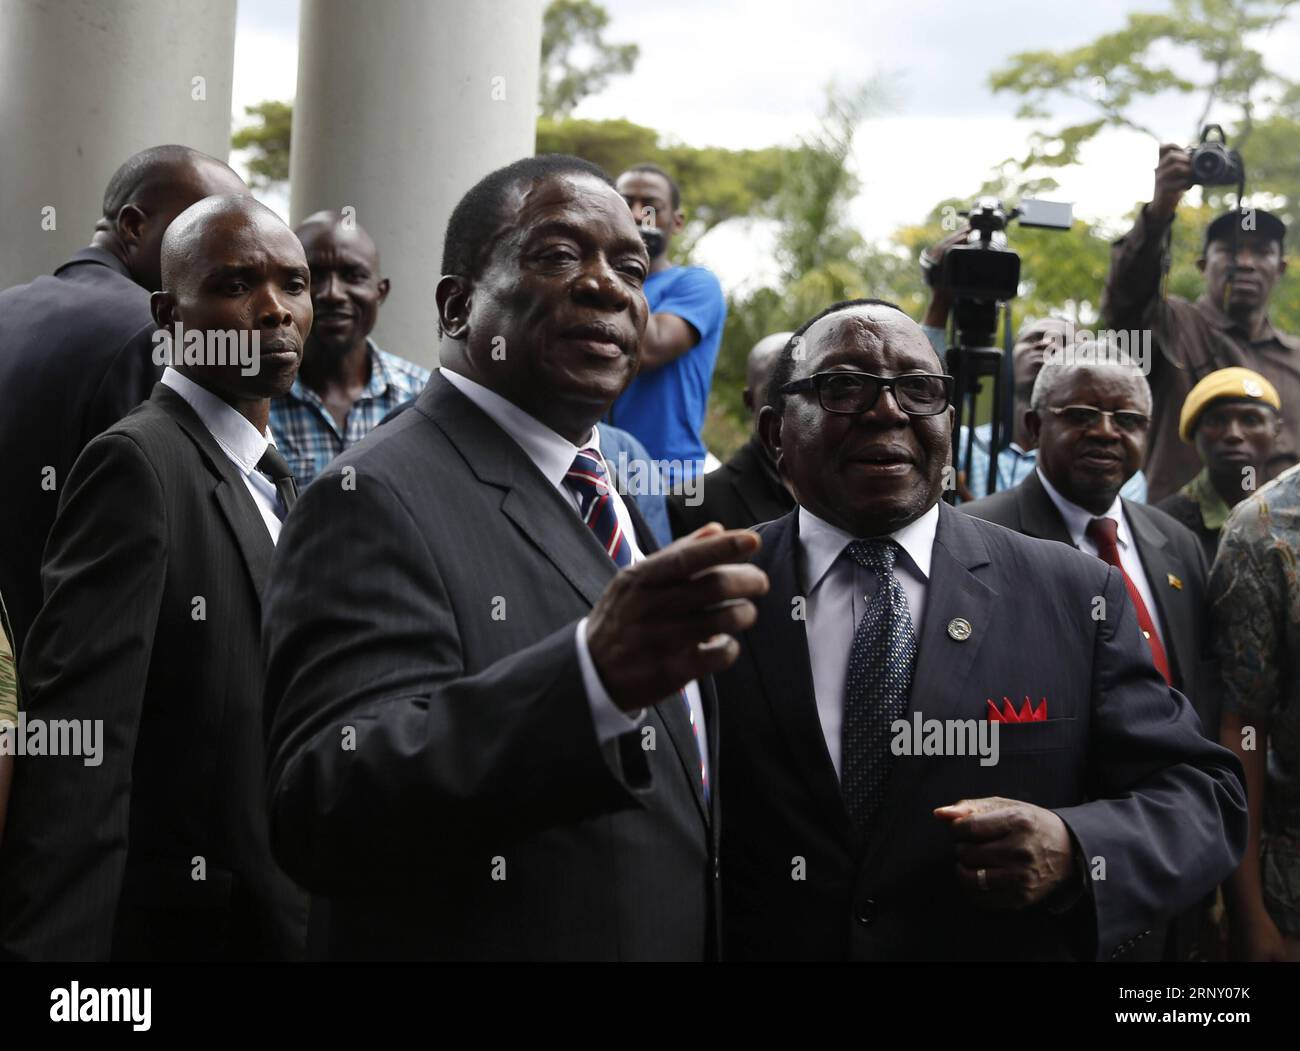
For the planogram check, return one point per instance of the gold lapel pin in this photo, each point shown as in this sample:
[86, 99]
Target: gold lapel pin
[1175, 583]
[959, 629]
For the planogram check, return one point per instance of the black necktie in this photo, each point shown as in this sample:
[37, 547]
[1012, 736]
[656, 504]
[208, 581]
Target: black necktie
[273, 466]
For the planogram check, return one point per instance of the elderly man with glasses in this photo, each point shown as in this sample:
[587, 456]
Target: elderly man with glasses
[1090, 414]
[943, 740]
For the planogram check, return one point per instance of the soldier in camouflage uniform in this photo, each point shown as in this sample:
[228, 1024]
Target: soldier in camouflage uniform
[1254, 593]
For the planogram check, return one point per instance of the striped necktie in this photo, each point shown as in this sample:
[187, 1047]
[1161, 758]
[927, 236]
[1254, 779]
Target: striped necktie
[587, 478]
[590, 481]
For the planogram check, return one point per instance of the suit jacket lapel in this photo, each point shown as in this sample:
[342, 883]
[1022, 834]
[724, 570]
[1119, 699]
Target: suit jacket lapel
[535, 507]
[1038, 515]
[229, 491]
[956, 589]
[549, 524]
[1159, 564]
[778, 645]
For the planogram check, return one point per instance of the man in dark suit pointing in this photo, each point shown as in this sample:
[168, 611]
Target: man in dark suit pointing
[492, 731]
[942, 740]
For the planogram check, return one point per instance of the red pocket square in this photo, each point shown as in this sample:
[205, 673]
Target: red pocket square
[1027, 714]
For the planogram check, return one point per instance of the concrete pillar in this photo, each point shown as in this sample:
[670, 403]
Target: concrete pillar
[401, 107]
[83, 85]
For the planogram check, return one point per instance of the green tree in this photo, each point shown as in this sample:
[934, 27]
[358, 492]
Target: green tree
[717, 184]
[268, 139]
[822, 258]
[573, 29]
[1201, 49]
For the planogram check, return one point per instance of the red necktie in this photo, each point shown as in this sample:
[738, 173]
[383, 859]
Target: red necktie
[1103, 533]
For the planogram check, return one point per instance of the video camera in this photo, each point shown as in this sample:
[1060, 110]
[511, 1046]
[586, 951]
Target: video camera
[980, 277]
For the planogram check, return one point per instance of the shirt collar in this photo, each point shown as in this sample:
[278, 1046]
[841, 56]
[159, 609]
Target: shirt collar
[1077, 518]
[821, 544]
[551, 452]
[237, 437]
[1214, 511]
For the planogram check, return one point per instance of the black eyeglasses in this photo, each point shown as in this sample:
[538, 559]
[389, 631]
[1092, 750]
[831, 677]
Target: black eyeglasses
[1085, 416]
[849, 393]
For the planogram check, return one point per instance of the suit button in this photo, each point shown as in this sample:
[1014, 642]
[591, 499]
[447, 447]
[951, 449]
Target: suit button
[717, 868]
[866, 912]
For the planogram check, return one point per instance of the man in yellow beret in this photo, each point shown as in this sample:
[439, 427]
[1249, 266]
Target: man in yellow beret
[1232, 417]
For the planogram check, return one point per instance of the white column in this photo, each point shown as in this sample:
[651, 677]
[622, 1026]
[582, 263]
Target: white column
[83, 85]
[402, 106]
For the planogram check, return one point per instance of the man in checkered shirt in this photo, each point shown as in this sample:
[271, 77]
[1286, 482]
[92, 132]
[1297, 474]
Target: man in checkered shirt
[346, 385]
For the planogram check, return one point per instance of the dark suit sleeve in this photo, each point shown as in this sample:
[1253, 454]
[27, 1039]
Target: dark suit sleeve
[86, 658]
[385, 755]
[1167, 820]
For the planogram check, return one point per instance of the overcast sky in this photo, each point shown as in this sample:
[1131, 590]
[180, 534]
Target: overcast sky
[751, 73]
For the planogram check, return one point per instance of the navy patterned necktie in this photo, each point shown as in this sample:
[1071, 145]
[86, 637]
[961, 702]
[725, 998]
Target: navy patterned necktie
[878, 684]
[589, 480]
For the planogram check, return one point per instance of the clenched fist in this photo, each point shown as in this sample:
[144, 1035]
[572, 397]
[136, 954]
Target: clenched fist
[1024, 851]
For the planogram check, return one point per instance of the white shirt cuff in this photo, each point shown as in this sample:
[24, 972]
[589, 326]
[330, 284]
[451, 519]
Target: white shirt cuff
[610, 721]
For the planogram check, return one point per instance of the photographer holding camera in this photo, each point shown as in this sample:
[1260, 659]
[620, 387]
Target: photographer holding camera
[1242, 260]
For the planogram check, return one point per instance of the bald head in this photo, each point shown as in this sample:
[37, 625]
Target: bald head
[146, 194]
[758, 369]
[346, 290]
[338, 229]
[196, 239]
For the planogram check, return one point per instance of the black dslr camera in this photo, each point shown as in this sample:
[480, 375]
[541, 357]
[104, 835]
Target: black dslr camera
[1213, 164]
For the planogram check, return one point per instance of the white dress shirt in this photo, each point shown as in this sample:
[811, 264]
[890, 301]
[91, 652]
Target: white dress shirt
[238, 439]
[554, 455]
[1076, 521]
[838, 590]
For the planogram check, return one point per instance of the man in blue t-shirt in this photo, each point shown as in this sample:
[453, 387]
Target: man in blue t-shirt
[665, 405]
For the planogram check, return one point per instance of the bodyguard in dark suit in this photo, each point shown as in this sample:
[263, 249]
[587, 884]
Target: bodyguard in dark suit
[76, 352]
[746, 489]
[487, 739]
[1084, 459]
[851, 831]
[157, 848]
